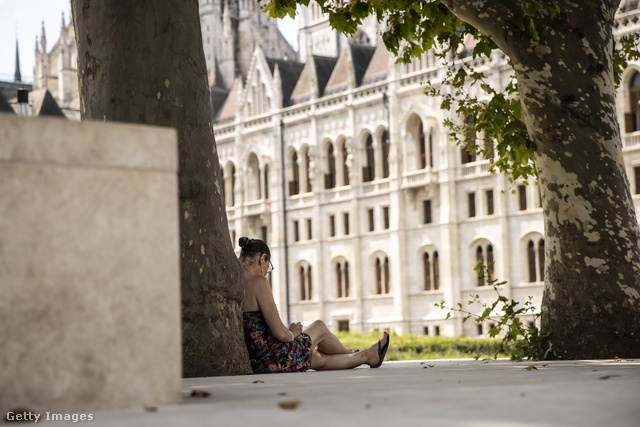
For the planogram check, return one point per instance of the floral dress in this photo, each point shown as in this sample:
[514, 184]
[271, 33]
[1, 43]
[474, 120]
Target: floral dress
[267, 354]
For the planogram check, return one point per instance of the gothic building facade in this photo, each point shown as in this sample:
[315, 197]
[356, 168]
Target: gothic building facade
[343, 165]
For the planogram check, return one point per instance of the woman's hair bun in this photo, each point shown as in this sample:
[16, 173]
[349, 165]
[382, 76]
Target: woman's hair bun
[243, 242]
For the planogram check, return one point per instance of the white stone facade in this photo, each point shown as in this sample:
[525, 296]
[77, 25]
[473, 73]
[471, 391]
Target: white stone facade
[300, 181]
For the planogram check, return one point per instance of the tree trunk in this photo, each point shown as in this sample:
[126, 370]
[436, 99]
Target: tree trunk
[142, 62]
[591, 300]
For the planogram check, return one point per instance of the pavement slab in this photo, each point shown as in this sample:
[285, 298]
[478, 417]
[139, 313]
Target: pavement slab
[463, 392]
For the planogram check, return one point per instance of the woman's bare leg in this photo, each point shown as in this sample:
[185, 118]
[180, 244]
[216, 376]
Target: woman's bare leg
[325, 341]
[321, 361]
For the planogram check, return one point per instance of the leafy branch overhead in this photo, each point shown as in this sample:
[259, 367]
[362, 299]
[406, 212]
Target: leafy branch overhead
[492, 122]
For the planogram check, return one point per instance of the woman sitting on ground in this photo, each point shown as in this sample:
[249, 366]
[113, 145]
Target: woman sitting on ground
[275, 348]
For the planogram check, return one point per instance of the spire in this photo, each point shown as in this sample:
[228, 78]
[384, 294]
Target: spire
[43, 40]
[18, 76]
[63, 25]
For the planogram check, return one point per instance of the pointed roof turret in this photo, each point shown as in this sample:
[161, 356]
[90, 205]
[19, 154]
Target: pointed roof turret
[18, 76]
[43, 40]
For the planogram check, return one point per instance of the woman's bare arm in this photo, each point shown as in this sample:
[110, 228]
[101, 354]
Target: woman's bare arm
[262, 292]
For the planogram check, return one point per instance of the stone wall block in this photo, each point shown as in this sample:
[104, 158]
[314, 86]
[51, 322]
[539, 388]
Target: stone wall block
[89, 265]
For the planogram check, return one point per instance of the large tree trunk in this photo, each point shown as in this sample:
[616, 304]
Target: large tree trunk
[142, 62]
[592, 248]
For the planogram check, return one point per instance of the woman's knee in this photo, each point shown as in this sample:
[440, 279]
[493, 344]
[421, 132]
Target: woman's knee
[319, 325]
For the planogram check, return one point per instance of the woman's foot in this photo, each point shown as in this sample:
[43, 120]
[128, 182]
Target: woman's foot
[377, 351]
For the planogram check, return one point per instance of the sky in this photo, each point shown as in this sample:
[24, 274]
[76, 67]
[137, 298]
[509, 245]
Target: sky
[23, 19]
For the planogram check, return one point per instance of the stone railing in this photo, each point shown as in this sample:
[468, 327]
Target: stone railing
[419, 178]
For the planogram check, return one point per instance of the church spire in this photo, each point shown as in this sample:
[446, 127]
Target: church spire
[18, 75]
[43, 40]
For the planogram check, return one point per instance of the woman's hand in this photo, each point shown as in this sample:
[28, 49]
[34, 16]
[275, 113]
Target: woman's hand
[296, 329]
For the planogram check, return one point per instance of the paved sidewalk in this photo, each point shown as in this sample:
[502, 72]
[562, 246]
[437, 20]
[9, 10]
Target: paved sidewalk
[475, 393]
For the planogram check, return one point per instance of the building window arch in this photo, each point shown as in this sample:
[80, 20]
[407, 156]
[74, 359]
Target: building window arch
[368, 171]
[294, 184]
[535, 258]
[632, 117]
[253, 187]
[342, 279]
[305, 282]
[425, 142]
[484, 253]
[382, 274]
[330, 176]
[431, 270]
[468, 154]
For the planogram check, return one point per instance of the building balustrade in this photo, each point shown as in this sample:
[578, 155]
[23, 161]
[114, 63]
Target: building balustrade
[255, 207]
[475, 168]
[631, 140]
[419, 178]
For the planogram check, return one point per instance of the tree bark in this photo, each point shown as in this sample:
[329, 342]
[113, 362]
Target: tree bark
[142, 62]
[591, 300]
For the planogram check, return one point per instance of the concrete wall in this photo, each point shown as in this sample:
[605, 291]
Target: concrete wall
[89, 265]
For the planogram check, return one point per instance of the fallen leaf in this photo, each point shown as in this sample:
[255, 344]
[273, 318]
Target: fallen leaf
[618, 360]
[151, 409]
[282, 393]
[530, 368]
[200, 393]
[290, 404]
[431, 366]
[606, 377]
[367, 406]
[258, 381]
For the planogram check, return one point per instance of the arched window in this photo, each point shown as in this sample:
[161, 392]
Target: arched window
[266, 182]
[426, 148]
[535, 259]
[436, 271]
[339, 279]
[480, 258]
[426, 263]
[342, 279]
[541, 259]
[330, 177]
[531, 261]
[368, 171]
[385, 154]
[485, 255]
[303, 287]
[489, 264]
[387, 286]
[632, 117]
[232, 187]
[294, 184]
[306, 287]
[346, 279]
[470, 139]
[378, 276]
[253, 179]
